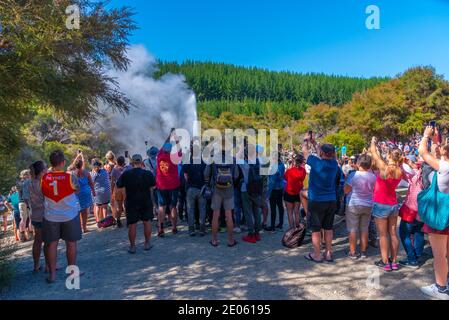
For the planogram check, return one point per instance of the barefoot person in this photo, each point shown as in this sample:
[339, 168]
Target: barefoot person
[322, 197]
[61, 217]
[439, 239]
[139, 207]
[37, 206]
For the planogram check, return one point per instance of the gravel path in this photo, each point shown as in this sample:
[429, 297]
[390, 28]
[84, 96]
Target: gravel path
[183, 267]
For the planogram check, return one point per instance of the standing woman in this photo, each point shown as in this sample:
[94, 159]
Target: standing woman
[439, 239]
[294, 177]
[86, 190]
[102, 189]
[385, 205]
[37, 170]
[111, 162]
[276, 190]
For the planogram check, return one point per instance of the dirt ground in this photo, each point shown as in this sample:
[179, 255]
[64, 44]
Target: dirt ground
[184, 267]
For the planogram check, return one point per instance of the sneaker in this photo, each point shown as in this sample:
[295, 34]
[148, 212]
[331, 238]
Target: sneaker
[192, 231]
[237, 230]
[409, 264]
[363, 255]
[270, 229]
[353, 255]
[434, 292]
[279, 226]
[249, 239]
[394, 266]
[257, 237]
[202, 231]
[384, 266]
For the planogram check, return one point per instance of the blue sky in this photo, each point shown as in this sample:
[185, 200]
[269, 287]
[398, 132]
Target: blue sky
[297, 35]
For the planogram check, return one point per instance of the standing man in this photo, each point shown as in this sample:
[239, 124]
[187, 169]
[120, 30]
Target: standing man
[322, 197]
[194, 177]
[138, 205]
[23, 187]
[61, 217]
[168, 182]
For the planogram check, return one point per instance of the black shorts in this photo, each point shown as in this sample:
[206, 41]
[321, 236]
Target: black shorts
[67, 231]
[321, 215]
[134, 215]
[291, 198]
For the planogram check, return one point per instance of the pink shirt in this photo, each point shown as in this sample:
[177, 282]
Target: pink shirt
[415, 186]
[385, 191]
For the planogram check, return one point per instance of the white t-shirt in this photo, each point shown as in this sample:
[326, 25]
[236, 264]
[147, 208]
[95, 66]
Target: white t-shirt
[362, 184]
[443, 177]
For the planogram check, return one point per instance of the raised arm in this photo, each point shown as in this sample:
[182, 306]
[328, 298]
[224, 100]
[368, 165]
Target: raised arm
[380, 164]
[424, 150]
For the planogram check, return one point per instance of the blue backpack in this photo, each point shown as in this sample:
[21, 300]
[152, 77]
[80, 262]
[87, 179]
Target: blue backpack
[433, 206]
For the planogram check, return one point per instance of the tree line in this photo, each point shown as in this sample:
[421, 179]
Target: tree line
[225, 82]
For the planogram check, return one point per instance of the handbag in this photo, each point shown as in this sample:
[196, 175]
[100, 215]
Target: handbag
[433, 206]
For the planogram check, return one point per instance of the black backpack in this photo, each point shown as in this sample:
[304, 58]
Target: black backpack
[294, 237]
[255, 180]
[223, 174]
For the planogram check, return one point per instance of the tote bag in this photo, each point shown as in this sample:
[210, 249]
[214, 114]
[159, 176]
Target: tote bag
[433, 206]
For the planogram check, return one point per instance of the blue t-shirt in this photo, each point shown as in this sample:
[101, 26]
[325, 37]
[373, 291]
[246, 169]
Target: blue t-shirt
[14, 201]
[322, 179]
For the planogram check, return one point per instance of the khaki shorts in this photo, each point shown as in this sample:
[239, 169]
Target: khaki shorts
[223, 197]
[24, 212]
[358, 218]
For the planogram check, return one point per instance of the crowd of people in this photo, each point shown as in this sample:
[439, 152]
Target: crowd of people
[311, 185]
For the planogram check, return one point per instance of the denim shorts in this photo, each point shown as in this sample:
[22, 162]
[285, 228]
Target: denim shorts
[384, 211]
[167, 197]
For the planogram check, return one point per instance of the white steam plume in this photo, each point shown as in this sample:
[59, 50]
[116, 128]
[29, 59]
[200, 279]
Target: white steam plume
[161, 104]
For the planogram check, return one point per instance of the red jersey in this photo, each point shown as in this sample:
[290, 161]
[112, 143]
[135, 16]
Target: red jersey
[61, 202]
[295, 180]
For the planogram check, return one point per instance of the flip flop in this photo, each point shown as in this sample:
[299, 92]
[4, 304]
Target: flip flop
[232, 245]
[132, 250]
[310, 258]
[328, 260]
[49, 281]
[36, 271]
[213, 244]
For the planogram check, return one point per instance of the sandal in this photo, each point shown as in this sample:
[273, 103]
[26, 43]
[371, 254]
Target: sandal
[310, 258]
[232, 245]
[213, 244]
